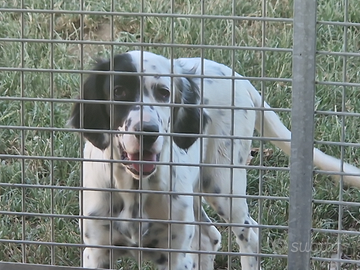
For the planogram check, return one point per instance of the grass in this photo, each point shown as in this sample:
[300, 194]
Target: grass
[156, 30]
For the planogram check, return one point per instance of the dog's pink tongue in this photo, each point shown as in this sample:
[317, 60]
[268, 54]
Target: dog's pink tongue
[147, 156]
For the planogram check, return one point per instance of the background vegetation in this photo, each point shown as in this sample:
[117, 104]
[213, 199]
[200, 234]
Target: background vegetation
[53, 43]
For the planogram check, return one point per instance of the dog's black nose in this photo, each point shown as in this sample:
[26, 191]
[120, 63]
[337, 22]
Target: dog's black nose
[148, 140]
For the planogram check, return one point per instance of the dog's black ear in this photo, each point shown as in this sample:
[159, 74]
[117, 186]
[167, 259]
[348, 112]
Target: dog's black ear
[93, 115]
[186, 119]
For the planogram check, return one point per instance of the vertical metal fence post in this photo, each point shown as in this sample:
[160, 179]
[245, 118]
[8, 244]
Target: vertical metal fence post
[301, 167]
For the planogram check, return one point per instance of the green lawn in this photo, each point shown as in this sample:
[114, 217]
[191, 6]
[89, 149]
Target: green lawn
[66, 54]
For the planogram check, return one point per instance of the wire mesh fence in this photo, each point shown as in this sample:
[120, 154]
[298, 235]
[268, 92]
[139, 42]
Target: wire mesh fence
[302, 57]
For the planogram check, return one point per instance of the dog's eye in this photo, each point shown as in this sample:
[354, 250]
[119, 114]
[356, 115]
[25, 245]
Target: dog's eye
[163, 93]
[120, 92]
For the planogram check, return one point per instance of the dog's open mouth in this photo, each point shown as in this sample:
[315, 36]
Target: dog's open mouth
[147, 168]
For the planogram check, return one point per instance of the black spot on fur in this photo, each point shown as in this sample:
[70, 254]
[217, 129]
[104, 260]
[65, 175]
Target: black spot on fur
[135, 184]
[228, 143]
[206, 182]
[173, 236]
[185, 205]
[87, 235]
[217, 190]
[117, 207]
[117, 226]
[135, 210]
[194, 265]
[216, 242]
[246, 222]
[241, 160]
[153, 243]
[206, 101]
[221, 112]
[163, 259]
[127, 124]
[243, 238]
[106, 227]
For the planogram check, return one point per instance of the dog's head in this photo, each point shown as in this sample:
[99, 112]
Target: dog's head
[136, 109]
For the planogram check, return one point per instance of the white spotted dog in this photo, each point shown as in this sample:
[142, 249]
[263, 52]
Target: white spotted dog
[142, 139]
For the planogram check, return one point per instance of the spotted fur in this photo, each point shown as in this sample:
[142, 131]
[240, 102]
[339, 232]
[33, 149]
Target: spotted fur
[141, 138]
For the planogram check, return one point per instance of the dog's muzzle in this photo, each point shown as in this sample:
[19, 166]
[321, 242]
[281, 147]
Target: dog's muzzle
[148, 154]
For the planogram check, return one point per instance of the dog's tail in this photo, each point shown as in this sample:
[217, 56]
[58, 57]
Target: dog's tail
[274, 128]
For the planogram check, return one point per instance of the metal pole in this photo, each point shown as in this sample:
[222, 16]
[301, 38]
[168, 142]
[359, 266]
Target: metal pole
[302, 140]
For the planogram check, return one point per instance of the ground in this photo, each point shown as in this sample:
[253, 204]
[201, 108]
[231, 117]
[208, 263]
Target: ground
[51, 177]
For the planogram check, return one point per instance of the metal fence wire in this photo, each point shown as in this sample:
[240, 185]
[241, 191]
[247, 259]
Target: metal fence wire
[301, 55]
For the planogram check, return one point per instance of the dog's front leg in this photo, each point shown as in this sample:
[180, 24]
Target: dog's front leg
[177, 236]
[182, 236]
[94, 234]
[180, 260]
[207, 238]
